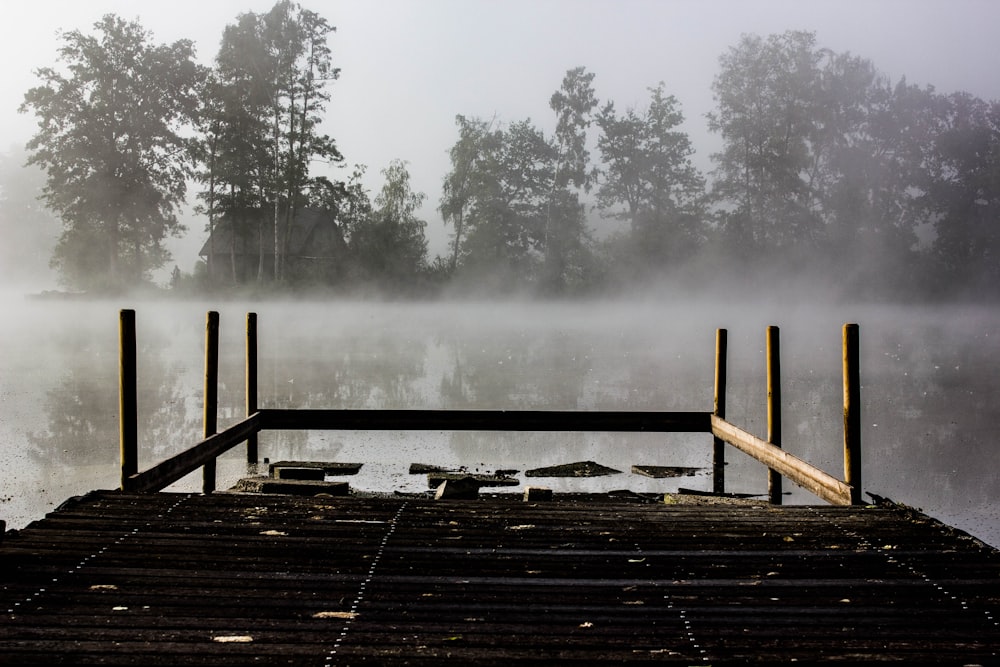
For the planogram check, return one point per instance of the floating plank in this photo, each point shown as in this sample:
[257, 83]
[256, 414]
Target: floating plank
[662, 472]
[314, 474]
[434, 480]
[331, 468]
[578, 469]
[295, 487]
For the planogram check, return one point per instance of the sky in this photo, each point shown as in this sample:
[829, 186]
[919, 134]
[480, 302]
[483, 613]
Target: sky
[408, 67]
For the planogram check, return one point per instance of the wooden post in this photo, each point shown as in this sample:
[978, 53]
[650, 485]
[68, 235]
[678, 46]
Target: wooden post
[128, 417]
[211, 392]
[251, 382]
[773, 408]
[852, 411]
[719, 410]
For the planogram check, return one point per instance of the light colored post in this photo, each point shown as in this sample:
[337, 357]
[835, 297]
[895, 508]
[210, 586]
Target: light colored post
[128, 417]
[852, 411]
[719, 410]
[211, 392]
[251, 382]
[773, 408]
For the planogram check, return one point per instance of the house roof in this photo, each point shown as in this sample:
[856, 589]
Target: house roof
[304, 227]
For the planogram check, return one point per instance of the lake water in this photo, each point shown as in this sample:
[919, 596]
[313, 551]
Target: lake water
[930, 391]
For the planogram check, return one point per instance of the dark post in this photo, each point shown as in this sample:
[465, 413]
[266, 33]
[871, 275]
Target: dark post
[852, 411]
[773, 408]
[211, 392]
[251, 380]
[128, 417]
[719, 410]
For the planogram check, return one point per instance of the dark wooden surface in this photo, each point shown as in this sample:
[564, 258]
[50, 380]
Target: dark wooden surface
[228, 579]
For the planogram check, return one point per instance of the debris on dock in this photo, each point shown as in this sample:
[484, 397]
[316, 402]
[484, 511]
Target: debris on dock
[578, 469]
[425, 468]
[661, 472]
[434, 480]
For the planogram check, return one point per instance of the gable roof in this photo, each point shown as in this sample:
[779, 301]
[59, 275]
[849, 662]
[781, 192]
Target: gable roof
[306, 224]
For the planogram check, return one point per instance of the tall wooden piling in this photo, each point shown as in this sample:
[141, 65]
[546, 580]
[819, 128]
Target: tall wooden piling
[128, 416]
[852, 411]
[211, 392]
[251, 382]
[773, 408]
[719, 410]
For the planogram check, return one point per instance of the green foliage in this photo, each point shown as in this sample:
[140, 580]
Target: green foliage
[261, 114]
[111, 138]
[766, 111]
[650, 181]
[964, 191]
[388, 243]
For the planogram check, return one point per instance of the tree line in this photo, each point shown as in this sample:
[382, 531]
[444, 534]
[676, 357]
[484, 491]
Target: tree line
[827, 168]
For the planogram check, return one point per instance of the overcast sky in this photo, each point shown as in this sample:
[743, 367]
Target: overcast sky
[409, 66]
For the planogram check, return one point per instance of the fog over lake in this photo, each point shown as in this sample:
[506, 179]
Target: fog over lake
[930, 390]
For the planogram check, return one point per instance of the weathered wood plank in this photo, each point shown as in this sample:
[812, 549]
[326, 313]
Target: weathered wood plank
[485, 420]
[162, 475]
[823, 485]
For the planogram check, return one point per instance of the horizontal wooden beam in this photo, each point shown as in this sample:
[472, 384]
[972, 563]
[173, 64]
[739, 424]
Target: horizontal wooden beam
[809, 477]
[485, 420]
[166, 473]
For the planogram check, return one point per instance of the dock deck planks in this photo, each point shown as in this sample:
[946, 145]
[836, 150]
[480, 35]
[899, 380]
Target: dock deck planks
[239, 579]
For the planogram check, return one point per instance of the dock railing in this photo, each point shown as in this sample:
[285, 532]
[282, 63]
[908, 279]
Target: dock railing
[767, 451]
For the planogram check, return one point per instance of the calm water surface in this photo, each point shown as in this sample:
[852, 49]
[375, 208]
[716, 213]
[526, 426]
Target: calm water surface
[930, 390]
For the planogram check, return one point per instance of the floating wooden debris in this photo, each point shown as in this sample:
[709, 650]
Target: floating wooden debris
[317, 474]
[434, 480]
[696, 492]
[332, 468]
[660, 472]
[292, 487]
[425, 468]
[579, 469]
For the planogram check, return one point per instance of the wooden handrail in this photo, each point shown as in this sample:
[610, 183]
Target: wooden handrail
[779, 462]
[806, 475]
[485, 420]
[167, 472]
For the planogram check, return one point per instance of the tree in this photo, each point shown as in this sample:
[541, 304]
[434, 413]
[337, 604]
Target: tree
[766, 109]
[963, 193]
[565, 229]
[301, 62]
[871, 175]
[111, 140]
[260, 128]
[649, 178]
[458, 189]
[510, 191]
[823, 159]
[390, 245]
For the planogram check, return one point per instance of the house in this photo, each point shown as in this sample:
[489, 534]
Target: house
[315, 252]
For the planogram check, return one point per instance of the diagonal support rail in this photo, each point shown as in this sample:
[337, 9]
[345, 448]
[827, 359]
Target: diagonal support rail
[806, 475]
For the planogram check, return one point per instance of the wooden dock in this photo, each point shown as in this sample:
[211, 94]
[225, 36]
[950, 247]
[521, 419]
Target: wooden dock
[119, 578]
